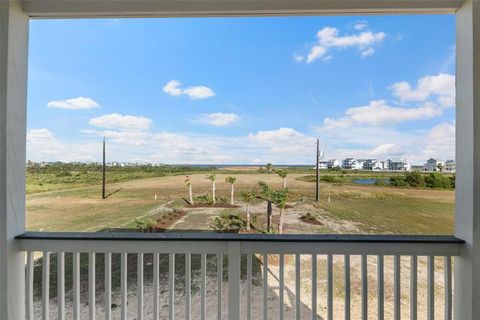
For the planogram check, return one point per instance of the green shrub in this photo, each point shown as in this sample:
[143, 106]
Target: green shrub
[414, 179]
[309, 216]
[146, 224]
[208, 199]
[328, 178]
[397, 181]
[228, 223]
[438, 181]
[379, 182]
[204, 198]
[452, 181]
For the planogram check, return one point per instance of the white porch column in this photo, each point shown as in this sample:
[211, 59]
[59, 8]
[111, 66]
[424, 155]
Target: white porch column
[13, 94]
[467, 268]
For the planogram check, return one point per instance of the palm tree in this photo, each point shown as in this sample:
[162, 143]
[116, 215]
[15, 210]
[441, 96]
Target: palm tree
[247, 196]
[283, 174]
[281, 198]
[212, 177]
[267, 195]
[231, 180]
[440, 167]
[269, 167]
[189, 184]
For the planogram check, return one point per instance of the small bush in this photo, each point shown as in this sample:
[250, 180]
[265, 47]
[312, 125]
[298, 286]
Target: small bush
[229, 223]
[208, 199]
[309, 216]
[328, 178]
[438, 181]
[312, 218]
[146, 224]
[398, 181]
[414, 179]
[452, 181]
[379, 182]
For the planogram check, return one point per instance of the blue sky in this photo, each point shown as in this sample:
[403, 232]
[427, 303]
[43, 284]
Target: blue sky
[242, 90]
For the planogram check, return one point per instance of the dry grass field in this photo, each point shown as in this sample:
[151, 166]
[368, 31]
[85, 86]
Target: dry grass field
[358, 208]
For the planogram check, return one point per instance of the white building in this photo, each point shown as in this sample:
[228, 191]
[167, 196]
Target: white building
[368, 164]
[348, 163]
[352, 164]
[378, 165]
[373, 164]
[449, 166]
[334, 163]
[398, 165]
[434, 164]
[323, 164]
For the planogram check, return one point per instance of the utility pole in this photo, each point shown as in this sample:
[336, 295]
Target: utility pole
[103, 172]
[317, 159]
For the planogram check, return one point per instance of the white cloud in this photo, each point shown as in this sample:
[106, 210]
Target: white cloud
[219, 119]
[73, 103]
[329, 38]
[174, 88]
[298, 57]
[42, 145]
[368, 52]
[284, 141]
[378, 112]
[440, 87]
[367, 131]
[440, 142]
[387, 149]
[281, 146]
[432, 94]
[40, 135]
[199, 92]
[122, 129]
[360, 25]
[316, 52]
[129, 137]
[121, 122]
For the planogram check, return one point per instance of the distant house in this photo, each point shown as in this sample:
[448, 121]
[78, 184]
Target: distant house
[449, 166]
[333, 163]
[374, 165]
[378, 165]
[352, 164]
[434, 164]
[323, 164]
[368, 164]
[348, 163]
[398, 165]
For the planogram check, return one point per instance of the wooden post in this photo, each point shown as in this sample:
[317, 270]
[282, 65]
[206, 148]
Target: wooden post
[104, 195]
[317, 192]
[13, 120]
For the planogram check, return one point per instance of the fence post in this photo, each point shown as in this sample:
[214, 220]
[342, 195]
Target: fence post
[234, 280]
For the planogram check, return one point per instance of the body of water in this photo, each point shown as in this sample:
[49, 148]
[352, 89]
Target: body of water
[368, 181]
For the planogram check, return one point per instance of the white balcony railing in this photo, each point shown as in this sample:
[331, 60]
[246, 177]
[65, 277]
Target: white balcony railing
[310, 260]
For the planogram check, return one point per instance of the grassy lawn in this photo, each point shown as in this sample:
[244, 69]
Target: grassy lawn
[373, 209]
[382, 212]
